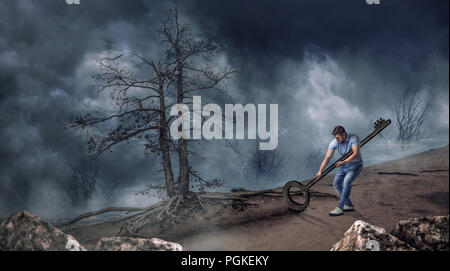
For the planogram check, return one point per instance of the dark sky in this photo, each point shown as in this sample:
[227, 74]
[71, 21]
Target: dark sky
[323, 62]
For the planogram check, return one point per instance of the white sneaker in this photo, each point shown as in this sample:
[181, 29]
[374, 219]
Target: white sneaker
[348, 208]
[337, 211]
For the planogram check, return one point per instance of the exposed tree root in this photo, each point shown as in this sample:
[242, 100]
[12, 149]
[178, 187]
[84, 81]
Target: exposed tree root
[98, 212]
[180, 207]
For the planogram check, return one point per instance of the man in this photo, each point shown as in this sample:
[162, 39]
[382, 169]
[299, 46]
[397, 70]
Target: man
[348, 170]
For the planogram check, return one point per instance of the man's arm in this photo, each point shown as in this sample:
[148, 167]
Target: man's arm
[325, 161]
[355, 148]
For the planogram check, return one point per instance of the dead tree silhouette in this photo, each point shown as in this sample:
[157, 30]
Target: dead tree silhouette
[411, 114]
[142, 105]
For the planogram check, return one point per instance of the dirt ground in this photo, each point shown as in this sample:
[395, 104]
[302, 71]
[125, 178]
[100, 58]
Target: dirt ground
[383, 194]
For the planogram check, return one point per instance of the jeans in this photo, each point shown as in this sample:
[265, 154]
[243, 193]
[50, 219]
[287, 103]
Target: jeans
[343, 180]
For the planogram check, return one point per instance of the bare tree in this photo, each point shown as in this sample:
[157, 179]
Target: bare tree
[267, 163]
[142, 105]
[189, 53]
[309, 161]
[141, 110]
[83, 185]
[411, 114]
[241, 155]
[259, 162]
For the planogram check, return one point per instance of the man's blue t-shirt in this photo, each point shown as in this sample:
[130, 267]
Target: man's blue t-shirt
[346, 146]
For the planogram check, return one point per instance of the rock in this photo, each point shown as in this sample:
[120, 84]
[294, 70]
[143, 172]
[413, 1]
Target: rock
[25, 231]
[364, 236]
[135, 244]
[425, 233]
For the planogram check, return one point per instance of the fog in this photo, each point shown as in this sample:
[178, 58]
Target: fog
[325, 63]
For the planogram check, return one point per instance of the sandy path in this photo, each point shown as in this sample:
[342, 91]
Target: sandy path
[385, 193]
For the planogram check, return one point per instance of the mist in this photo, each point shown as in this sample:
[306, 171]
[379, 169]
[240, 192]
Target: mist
[322, 68]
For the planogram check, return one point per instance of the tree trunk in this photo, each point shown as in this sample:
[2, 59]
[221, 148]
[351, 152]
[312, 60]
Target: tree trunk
[163, 141]
[183, 179]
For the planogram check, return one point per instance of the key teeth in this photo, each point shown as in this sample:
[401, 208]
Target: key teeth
[378, 122]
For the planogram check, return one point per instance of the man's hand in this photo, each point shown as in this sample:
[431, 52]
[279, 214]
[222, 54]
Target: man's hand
[318, 174]
[340, 163]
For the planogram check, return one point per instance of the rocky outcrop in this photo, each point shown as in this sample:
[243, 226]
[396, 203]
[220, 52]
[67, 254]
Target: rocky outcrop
[25, 231]
[363, 236]
[425, 233]
[135, 244]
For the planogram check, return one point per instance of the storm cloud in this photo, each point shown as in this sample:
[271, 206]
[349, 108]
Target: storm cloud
[323, 62]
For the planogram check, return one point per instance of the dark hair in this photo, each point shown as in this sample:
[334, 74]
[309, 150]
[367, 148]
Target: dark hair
[338, 130]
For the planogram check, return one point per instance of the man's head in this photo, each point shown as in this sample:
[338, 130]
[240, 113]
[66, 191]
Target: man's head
[339, 133]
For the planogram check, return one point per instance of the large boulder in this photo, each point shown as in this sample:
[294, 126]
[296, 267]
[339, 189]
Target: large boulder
[425, 233]
[25, 231]
[135, 244]
[364, 236]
